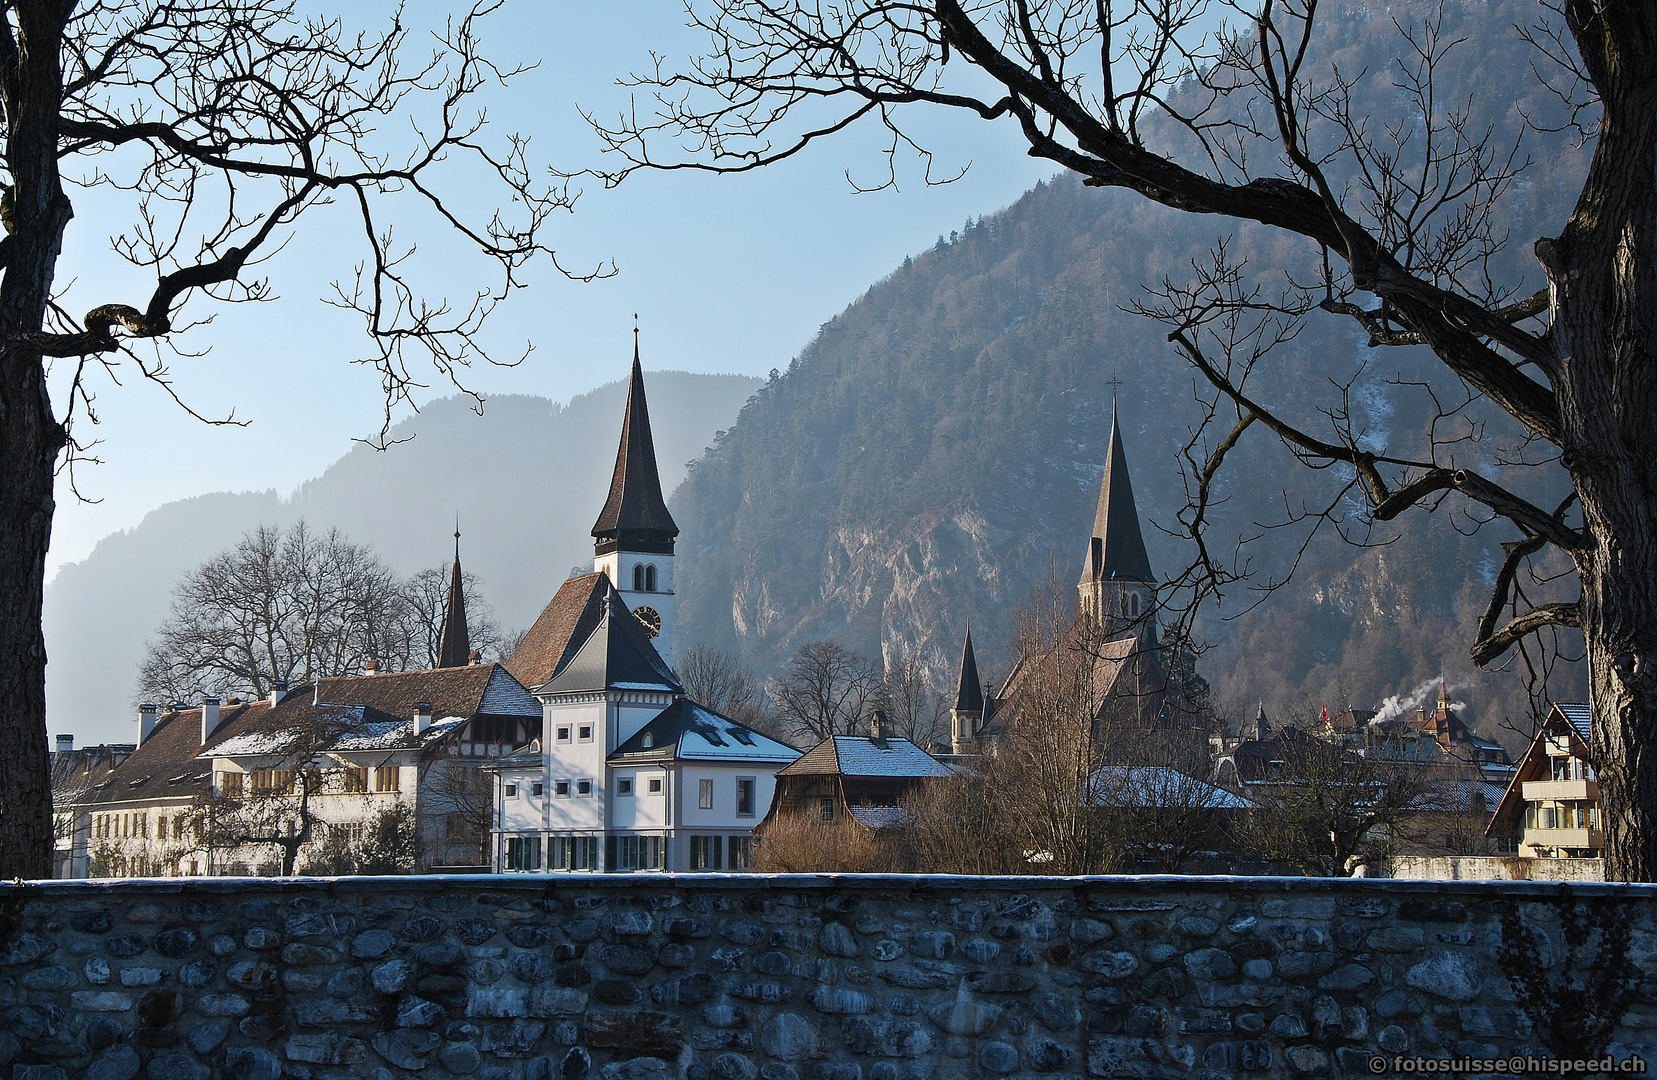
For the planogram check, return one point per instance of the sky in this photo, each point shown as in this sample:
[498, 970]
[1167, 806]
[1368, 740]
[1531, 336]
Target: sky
[726, 274]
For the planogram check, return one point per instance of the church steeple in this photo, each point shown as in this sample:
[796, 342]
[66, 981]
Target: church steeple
[968, 713]
[633, 537]
[455, 649]
[635, 516]
[1117, 584]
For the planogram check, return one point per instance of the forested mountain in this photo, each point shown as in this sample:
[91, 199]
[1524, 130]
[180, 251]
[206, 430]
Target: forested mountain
[526, 480]
[938, 445]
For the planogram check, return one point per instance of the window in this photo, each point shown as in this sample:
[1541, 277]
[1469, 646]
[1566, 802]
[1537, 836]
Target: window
[494, 729]
[523, 853]
[648, 740]
[271, 781]
[655, 785]
[705, 852]
[511, 791]
[650, 578]
[354, 780]
[704, 795]
[386, 778]
[584, 788]
[564, 733]
[536, 789]
[825, 809]
[347, 832]
[624, 787]
[572, 853]
[745, 796]
[742, 853]
[638, 579]
[623, 853]
[161, 829]
[585, 733]
[1133, 604]
[561, 788]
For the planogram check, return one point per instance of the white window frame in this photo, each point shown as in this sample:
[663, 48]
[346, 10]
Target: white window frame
[624, 787]
[562, 733]
[561, 789]
[655, 786]
[587, 782]
[584, 733]
[753, 795]
[704, 795]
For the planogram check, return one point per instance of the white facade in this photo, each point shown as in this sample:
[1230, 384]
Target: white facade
[645, 581]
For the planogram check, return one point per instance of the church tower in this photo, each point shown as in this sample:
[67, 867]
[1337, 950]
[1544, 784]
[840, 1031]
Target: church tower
[968, 713]
[1117, 588]
[454, 648]
[633, 536]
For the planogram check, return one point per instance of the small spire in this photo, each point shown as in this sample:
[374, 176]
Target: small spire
[969, 695]
[454, 649]
[635, 515]
[1262, 727]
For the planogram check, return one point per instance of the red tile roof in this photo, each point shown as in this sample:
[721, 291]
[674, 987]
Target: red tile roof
[571, 616]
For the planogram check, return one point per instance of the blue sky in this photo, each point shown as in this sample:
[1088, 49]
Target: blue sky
[727, 274]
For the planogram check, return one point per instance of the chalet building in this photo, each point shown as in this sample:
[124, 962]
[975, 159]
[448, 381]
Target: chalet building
[1115, 636]
[854, 778]
[1551, 809]
[628, 774]
[339, 750]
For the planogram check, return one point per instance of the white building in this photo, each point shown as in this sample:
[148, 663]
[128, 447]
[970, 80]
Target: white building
[629, 774]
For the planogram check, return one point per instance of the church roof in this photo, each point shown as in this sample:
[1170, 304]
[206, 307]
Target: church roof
[969, 696]
[1116, 551]
[635, 514]
[687, 731]
[616, 654]
[567, 619]
[455, 649]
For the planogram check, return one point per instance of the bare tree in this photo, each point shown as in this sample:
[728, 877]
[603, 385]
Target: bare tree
[913, 711]
[427, 596]
[827, 690]
[720, 681]
[1156, 800]
[222, 125]
[964, 824]
[1398, 201]
[798, 844]
[459, 804]
[290, 606]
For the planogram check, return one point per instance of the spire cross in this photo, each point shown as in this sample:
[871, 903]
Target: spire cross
[1113, 382]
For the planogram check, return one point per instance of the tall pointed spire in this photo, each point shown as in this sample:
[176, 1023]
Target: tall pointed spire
[455, 649]
[635, 515]
[969, 696]
[1116, 550]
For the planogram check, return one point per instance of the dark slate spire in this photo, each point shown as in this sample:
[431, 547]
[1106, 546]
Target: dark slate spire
[1117, 548]
[635, 515]
[455, 650]
[1262, 726]
[969, 697]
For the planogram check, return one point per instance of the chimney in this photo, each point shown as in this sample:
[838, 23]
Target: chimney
[422, 716]
[209, 718]
[370, 666]
[146, 723]
[66, 743]
[474, 658]
[278, 687]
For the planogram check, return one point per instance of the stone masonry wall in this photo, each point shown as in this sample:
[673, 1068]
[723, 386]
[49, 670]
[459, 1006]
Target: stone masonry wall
[711, 977]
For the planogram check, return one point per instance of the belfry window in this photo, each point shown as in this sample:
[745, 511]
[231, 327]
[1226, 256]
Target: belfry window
[650, 578]
[638, 579]
[1133, 605]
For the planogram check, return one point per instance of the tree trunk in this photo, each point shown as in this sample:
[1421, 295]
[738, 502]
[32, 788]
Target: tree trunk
[1603, 270]
[30, 439]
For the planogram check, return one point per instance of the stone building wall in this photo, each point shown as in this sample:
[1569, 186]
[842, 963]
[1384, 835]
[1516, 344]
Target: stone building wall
[711, 977]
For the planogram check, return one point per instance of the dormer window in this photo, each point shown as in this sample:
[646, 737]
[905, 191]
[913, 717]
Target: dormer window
[648, 740]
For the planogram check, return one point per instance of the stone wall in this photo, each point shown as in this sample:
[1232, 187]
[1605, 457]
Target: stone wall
[1494, 868]
[711, 977]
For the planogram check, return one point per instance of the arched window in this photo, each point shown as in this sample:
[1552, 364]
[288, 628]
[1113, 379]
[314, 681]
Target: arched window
[1133, 605]
[638, 579]
[650, 578]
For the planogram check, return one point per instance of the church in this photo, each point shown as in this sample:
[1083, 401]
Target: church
[1109, 658]
[629, 773]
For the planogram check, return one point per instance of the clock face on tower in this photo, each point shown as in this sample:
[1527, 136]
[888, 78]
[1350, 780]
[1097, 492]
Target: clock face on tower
[650, 618]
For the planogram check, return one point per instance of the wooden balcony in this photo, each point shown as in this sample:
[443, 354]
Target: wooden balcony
[1564, 838]
[1552, 790]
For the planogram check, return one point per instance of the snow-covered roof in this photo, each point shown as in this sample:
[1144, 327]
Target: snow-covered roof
[864, 756]
[350, 731]
[1158, 785]
[688, 730]
[1579, 715]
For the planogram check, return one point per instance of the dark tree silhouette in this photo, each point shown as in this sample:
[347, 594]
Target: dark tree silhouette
[1398, 222]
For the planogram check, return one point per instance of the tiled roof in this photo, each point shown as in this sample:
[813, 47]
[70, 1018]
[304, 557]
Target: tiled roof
[164, 766]
[616, 653]
[686, 730]
[569, 617]
[856, 755]
[1579, 715]
[635, 511]
[879, 817]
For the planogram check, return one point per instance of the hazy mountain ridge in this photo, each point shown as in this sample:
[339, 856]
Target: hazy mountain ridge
[939, 442]
[526, 479]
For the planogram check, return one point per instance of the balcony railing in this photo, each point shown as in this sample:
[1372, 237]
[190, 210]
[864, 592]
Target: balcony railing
[1550, 790]
[1564, 838]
